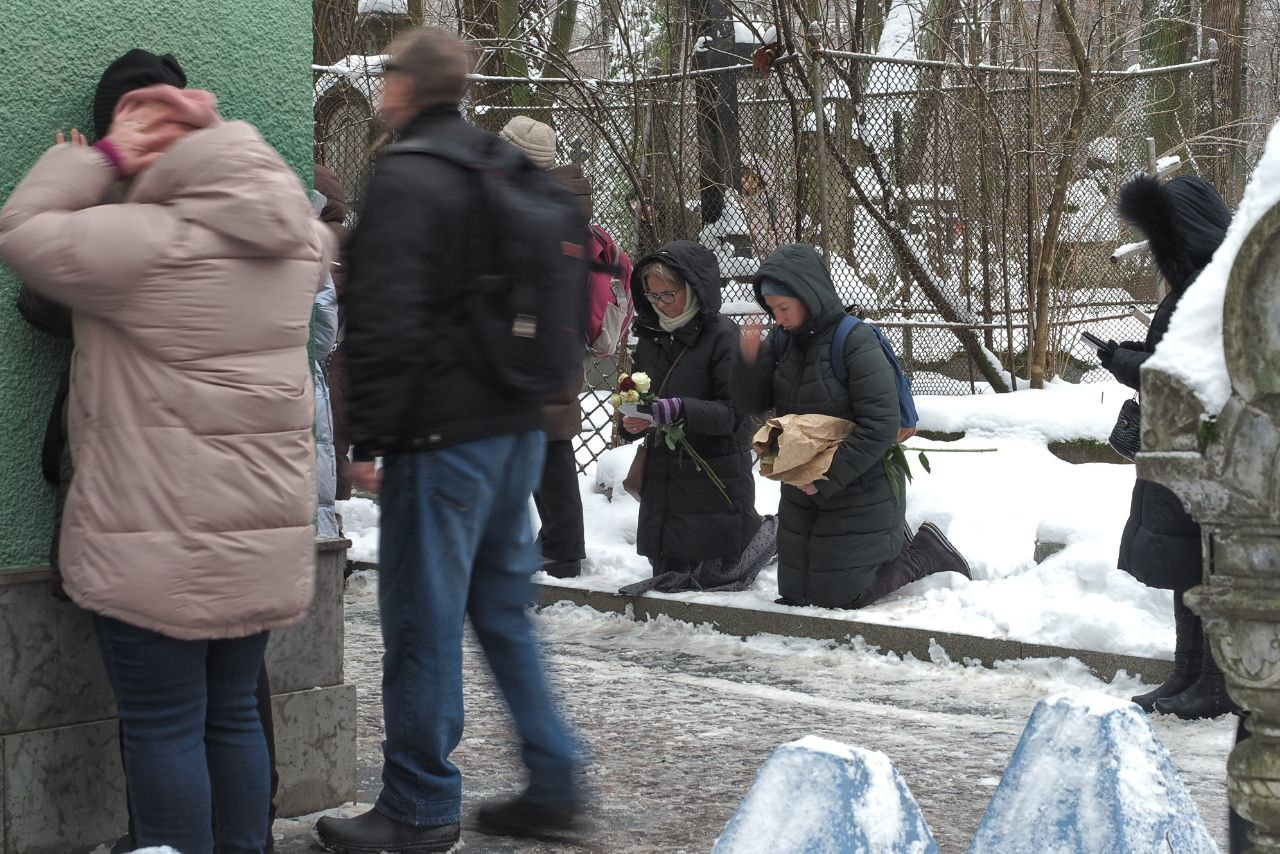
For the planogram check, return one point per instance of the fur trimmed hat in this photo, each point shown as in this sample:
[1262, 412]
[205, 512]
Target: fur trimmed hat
[534, 138]
[1184, 221]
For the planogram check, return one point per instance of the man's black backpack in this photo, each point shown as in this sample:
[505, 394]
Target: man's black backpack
[529, 268]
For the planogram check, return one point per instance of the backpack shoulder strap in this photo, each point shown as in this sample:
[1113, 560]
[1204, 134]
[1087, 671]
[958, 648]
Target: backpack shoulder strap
[612, 262]
[425, 146]
[847, 324]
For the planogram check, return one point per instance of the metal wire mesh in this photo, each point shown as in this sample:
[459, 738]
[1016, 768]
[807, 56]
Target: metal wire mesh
[930, 192]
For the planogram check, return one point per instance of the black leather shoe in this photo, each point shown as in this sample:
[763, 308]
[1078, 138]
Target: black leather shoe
[525, 818]
[374, 832]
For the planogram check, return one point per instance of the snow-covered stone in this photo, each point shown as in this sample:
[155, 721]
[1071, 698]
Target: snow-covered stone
[1090, 774]
[814, 795]
[1192, 349]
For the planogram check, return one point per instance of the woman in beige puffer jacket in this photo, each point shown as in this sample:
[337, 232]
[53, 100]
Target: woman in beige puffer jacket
[189, 526]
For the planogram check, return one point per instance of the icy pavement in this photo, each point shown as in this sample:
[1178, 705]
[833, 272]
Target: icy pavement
[677, 719]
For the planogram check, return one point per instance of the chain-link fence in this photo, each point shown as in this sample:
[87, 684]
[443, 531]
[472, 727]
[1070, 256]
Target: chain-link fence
[928, 185]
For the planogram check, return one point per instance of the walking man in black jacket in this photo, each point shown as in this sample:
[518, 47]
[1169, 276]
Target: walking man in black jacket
[461, 460]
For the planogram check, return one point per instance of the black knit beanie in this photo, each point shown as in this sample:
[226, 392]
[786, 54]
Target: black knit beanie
[137, 69]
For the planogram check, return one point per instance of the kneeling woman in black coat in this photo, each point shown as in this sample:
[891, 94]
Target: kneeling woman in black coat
[687, 348]
[841, 540]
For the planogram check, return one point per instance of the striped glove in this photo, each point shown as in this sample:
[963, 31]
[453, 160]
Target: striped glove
[667, 410]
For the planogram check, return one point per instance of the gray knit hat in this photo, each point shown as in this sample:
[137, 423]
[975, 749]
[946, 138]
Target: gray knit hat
[534, 138]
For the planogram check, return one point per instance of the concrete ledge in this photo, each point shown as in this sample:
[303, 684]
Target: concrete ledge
[744, 622]
[315, 748]
[62, 789]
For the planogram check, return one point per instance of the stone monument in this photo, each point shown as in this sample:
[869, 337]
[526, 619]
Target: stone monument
[1226, 468]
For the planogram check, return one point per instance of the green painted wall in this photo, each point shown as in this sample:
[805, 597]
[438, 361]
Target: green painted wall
[255, 55]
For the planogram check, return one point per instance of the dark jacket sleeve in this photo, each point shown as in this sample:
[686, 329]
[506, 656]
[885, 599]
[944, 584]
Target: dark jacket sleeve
[1126, 366]
[752, 385]
[717, 417]
[389, 256]
[873, 391]
[44, 314]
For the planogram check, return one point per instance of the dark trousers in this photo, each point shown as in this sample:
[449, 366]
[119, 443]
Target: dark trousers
[560, 505]
[262, 697]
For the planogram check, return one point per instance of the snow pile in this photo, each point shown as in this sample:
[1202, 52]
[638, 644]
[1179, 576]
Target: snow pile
[1192, 349]
[383, 7]
[164, 849]
[362, 72]
[816, 795]
[360, 526]
[1060, 412]
[754, 32]
[897, 39]
[1090, 774]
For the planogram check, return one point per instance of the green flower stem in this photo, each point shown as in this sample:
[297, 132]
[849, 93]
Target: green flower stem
[674, 437]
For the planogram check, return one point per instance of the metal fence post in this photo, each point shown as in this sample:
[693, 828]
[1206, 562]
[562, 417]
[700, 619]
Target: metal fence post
[820, 134]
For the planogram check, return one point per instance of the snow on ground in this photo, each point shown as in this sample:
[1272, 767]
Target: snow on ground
[676, 720]
[991, 501]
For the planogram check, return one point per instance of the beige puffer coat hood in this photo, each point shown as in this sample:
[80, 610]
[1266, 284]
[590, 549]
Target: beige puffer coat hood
[191, 511]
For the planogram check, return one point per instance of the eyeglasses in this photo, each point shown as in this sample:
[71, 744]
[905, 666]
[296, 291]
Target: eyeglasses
[664, 297]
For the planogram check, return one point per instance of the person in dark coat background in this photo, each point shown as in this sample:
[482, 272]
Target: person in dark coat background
[562, 537]
[841, 540]
[1184, 221]
[687, 348]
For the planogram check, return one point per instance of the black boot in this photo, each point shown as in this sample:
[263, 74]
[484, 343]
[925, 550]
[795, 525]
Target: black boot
[1188, 645]
[1207, 698]
[927, 553]
[526, 818]
[562, 568]
[935, 553]
[373, 832]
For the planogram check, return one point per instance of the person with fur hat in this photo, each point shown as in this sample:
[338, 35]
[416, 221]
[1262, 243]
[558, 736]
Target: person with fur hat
[461, 458]
[191, 305]
[559, 503]
[1184, 222]
[841, 539]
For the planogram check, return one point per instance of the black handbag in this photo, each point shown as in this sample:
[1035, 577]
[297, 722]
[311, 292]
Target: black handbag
[1126, 435]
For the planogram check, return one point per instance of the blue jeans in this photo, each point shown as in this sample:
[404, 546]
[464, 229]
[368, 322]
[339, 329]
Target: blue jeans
[456, 541]
[192, 737]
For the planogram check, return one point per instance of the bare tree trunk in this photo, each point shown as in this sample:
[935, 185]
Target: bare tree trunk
[1043, 273]
[1224, 20]
[1168, 38]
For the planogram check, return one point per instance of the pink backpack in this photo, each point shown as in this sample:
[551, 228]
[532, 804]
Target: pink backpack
[609, 295]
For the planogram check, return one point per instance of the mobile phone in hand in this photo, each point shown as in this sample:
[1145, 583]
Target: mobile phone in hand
[1096, 341]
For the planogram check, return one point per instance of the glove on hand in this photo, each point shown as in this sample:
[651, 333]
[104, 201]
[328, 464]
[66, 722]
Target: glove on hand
[667, 410]
[1105, 355]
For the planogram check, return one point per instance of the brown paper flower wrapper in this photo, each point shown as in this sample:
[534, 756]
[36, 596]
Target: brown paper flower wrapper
[798, 449]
